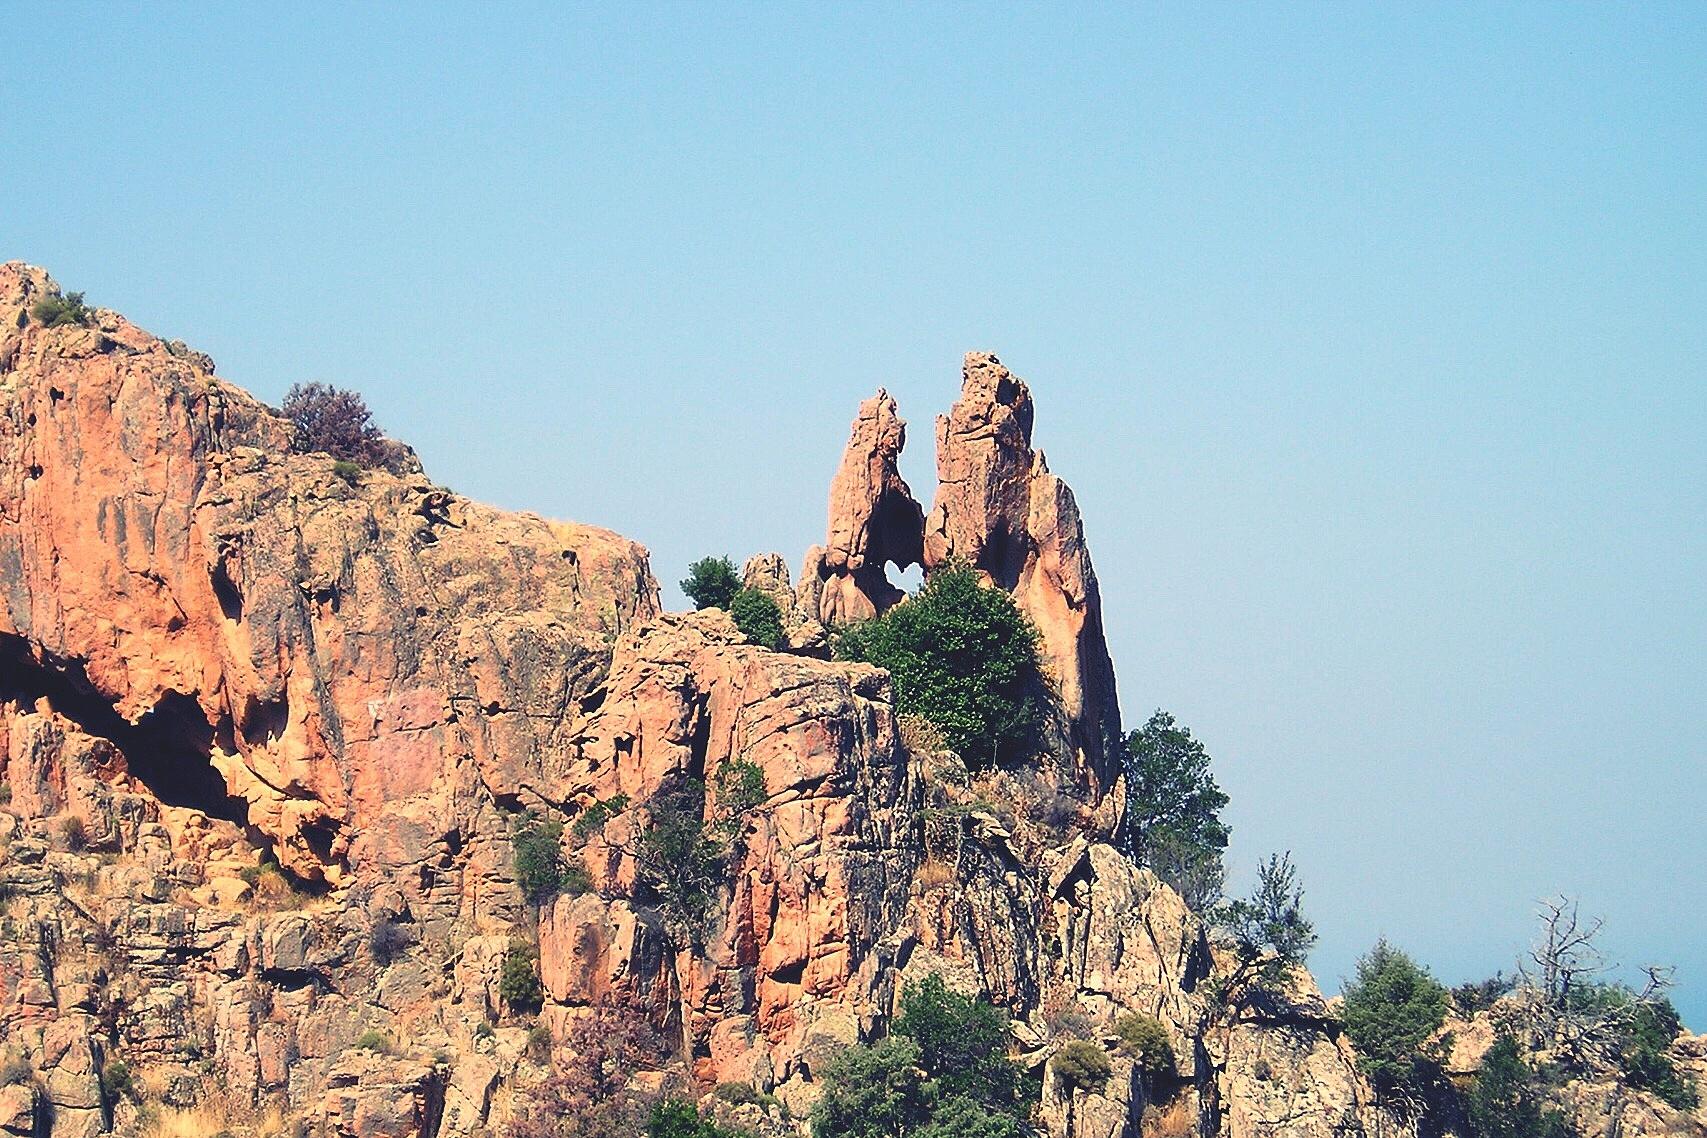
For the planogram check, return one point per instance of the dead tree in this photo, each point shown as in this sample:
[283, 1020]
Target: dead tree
[1572, 1009]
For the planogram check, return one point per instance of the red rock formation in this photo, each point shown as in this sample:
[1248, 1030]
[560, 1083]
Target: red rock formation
[210, 645]
[351, 657]
[999, 509]
[874, 523]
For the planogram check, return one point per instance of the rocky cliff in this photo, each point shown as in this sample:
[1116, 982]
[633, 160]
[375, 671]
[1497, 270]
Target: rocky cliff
[270, 731]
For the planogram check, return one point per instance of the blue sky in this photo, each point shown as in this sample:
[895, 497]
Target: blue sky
[1372, 339]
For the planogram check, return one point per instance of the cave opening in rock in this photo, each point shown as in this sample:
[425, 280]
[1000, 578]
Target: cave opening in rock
[169, 750]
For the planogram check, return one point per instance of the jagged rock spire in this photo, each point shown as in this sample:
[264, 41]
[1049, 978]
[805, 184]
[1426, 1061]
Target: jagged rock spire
[874, 522]
[999, 509]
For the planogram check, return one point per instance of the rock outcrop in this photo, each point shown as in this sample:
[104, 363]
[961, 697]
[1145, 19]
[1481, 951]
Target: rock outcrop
[272, 734]
[874, 523]
[999, 509]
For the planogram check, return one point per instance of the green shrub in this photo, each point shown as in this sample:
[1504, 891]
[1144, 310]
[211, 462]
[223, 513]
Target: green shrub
[592, 820]
[736, 1094]
[1173, 820]
[740, 791]
[1392, 1007]
[1643, 1059]
[576, 880]
[1145, 1040]
[350, 472]
[518, 983]
[673, 1118]
[55, 310]
[758, 618]
[539, 859]
[711, 583]
[1081, 1063]
[963, 656]
[5, 794]
[373, 1040]
[117, 1080]
[1505, 1101]
[963, 1043]
[539, 1043]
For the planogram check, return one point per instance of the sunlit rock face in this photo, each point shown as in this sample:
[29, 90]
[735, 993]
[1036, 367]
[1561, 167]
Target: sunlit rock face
[270, 731]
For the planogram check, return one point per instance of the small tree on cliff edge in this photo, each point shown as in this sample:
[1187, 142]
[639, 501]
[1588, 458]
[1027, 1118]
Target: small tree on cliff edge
[963, 656]
[1173, 808]
[711, 583]
[331, 420]
[1268, 929]
[1392, 1008]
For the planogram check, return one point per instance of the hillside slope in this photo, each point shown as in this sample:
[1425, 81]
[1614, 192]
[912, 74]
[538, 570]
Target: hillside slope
[272, 730]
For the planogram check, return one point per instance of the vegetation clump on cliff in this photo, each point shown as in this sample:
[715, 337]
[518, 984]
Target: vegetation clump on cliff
[943, 1072]
[1173, 810]
[57, 310]
[334, 421]
[1393, 1008]
[758, 618]
[711, 583]
[1269, 931]
[963, 656]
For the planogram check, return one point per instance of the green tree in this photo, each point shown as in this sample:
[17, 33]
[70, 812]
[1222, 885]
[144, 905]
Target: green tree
[1392, 1007]
[758, 618]
[961, 1117]
[1268, 929]
[964, 657]
[711, 583]
[873, 1092]
[963, 1043]
[673, 1118]
[1505, 1102]
[539, 859]
[678, 858]
[1173, 809]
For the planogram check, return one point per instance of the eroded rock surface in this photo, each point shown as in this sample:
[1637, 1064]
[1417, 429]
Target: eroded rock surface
[874, 523]
[270, 736]
[999, 509]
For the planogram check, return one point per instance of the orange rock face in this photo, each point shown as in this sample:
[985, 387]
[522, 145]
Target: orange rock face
[213, 649]
[351, 658]
[999, 509]
[874, 523]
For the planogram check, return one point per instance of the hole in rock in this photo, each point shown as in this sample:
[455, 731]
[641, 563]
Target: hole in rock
[225, 590]
[907, 580]
[319, 834]
[168, 750]
[264, 720]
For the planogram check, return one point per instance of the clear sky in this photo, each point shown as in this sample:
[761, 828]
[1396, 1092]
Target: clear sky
[1373, 340]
